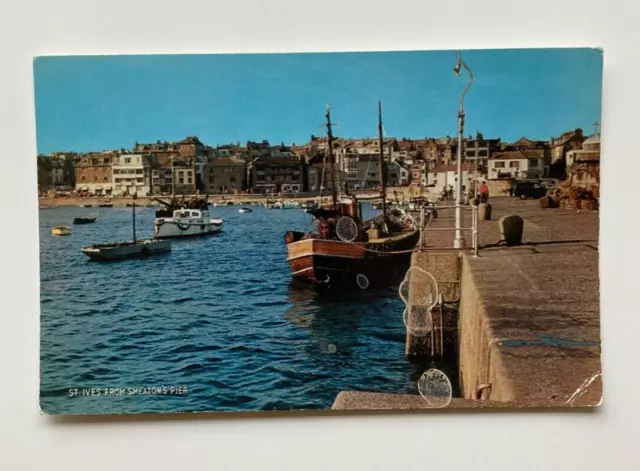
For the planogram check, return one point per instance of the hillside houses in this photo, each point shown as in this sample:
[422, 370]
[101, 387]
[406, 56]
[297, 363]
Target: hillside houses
[189, 165]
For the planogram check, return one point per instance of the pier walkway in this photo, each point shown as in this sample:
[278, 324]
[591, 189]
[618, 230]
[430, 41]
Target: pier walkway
[529, 318]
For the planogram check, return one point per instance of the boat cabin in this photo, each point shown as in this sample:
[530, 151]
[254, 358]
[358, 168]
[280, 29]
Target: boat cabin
[190, 214]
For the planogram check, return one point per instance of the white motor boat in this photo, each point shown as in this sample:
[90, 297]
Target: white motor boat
[187, 223]
[245, 210]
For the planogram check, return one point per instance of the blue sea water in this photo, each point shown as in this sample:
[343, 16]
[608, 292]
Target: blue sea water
[218, 317]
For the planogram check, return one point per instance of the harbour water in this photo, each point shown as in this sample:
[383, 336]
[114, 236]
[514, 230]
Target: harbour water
[218, 317]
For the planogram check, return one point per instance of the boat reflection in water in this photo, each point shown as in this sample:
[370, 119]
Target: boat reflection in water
[364, 334]
[348, 324]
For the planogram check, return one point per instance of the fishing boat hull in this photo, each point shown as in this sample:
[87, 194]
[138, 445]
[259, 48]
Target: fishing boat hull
[338, 264]
[166, 228]
[126, 250]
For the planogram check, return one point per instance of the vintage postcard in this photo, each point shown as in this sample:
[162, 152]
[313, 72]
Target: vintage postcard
[375, 230]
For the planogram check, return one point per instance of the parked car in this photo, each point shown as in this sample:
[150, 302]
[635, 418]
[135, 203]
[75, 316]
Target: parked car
[527, 189]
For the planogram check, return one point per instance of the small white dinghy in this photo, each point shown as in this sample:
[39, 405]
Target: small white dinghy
[245, 210]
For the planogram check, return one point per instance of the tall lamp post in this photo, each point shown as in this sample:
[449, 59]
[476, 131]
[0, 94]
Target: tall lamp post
[458, 241]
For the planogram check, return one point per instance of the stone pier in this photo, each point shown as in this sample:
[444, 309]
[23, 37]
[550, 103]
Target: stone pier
[528, 325]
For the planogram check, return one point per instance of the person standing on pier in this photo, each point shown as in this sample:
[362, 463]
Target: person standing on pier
[484, 192]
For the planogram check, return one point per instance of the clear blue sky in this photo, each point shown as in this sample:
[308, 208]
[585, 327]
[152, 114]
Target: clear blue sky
[88, 103]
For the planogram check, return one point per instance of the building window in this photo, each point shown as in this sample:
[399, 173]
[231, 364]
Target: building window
[210, 179]
[127, 160]
[514, 164]
[180, 180]
[498, 164]
[232, 179]
[482, 153]
[84, 179]
[189, 180]
[105, 179]
[533, 162]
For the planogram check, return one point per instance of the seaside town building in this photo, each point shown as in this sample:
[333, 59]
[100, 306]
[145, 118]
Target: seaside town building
[56, 171]
[522, 164]
[583, 166]
[224, 175]
[94, 173]
[276, 175]
[444, 177]
[570, 140]
[132, 174]
[184, 176]
[418, 173]
[479, 150]
[397, 174]
[188, 165]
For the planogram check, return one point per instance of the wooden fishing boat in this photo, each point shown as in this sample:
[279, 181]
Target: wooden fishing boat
[61, 231]
[369, 253]
[347, 251]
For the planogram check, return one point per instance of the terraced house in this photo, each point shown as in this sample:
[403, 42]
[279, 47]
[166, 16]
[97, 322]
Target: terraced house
[94, 174]
[277, 175]
[224, 175]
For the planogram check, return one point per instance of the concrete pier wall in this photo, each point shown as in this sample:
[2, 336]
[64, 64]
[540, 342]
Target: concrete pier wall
[479, 361]
[529, 325]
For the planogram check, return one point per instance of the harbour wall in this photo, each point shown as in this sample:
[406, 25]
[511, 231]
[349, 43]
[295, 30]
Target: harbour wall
[481, 371]
[527, 319]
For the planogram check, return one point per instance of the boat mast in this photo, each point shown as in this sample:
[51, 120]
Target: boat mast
[381, 164]
[173, 185]
[334, 194]
[133, 211]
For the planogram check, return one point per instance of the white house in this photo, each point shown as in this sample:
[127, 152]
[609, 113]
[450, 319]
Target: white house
[521, 164]
[131, 174]
[442, 176]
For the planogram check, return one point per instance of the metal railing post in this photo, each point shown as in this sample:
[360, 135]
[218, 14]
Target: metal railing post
[475, 225]
[421, 228]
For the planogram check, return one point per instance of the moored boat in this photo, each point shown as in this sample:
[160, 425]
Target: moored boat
[245, 210]
[347, 251]
[112, 251]
[124, 250]
[85, 220]
[187, 223]
[61, 230]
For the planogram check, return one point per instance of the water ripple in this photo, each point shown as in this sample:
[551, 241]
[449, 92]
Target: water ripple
[217, 315]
